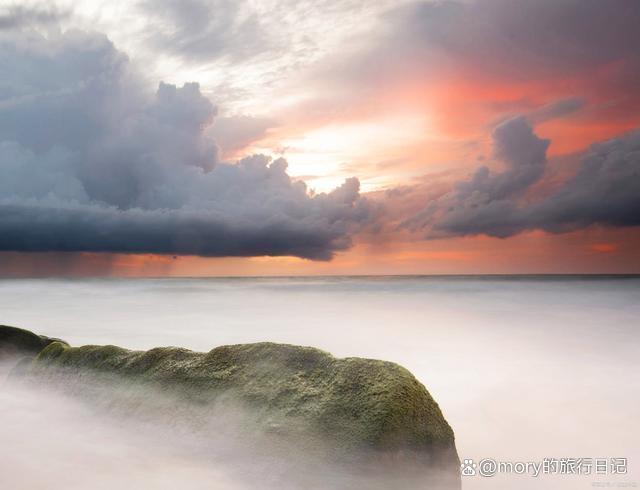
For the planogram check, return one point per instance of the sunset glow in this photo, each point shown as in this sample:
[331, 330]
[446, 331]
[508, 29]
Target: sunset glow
[412, 99]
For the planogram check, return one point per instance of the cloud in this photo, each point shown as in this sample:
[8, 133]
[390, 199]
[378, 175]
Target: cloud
[523, 153]
[16, 16]
[557, 109]
[91, 161]
[485, 202]
[236, 132]
[205, 30]
[605, 190]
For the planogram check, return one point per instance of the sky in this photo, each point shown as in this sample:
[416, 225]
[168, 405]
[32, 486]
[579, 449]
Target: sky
[280, 137]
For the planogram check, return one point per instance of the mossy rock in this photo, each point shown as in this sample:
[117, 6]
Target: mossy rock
[356, 405]
[17, 342]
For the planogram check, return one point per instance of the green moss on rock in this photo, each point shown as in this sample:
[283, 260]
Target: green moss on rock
[353, 403]
[366, 402]
[22, 343]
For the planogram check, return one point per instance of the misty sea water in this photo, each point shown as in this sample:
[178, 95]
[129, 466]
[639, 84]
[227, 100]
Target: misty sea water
[523, 367]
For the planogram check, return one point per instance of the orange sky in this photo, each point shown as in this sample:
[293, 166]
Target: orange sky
[446, 129]
[400, 104]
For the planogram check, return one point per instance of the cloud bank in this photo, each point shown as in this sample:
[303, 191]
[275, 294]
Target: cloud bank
[91, 161]
[605, 190]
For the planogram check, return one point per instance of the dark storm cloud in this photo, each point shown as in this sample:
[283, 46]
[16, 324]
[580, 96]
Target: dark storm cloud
[485, 202]
[522, 152]
[90, 161]
[604, 191]
[291, 224]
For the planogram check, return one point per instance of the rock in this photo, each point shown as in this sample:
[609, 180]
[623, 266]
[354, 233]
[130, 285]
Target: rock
[358, 406]
[17, 343]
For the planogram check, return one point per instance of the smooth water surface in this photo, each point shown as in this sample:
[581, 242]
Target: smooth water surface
[524, 368]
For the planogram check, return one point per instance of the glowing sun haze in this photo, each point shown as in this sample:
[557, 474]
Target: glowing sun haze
[200, 137]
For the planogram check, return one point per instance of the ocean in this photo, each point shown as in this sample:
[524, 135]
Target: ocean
[524, 368]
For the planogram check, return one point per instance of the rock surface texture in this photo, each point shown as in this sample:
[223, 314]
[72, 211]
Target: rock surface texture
[17, 342]
[354, 405]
